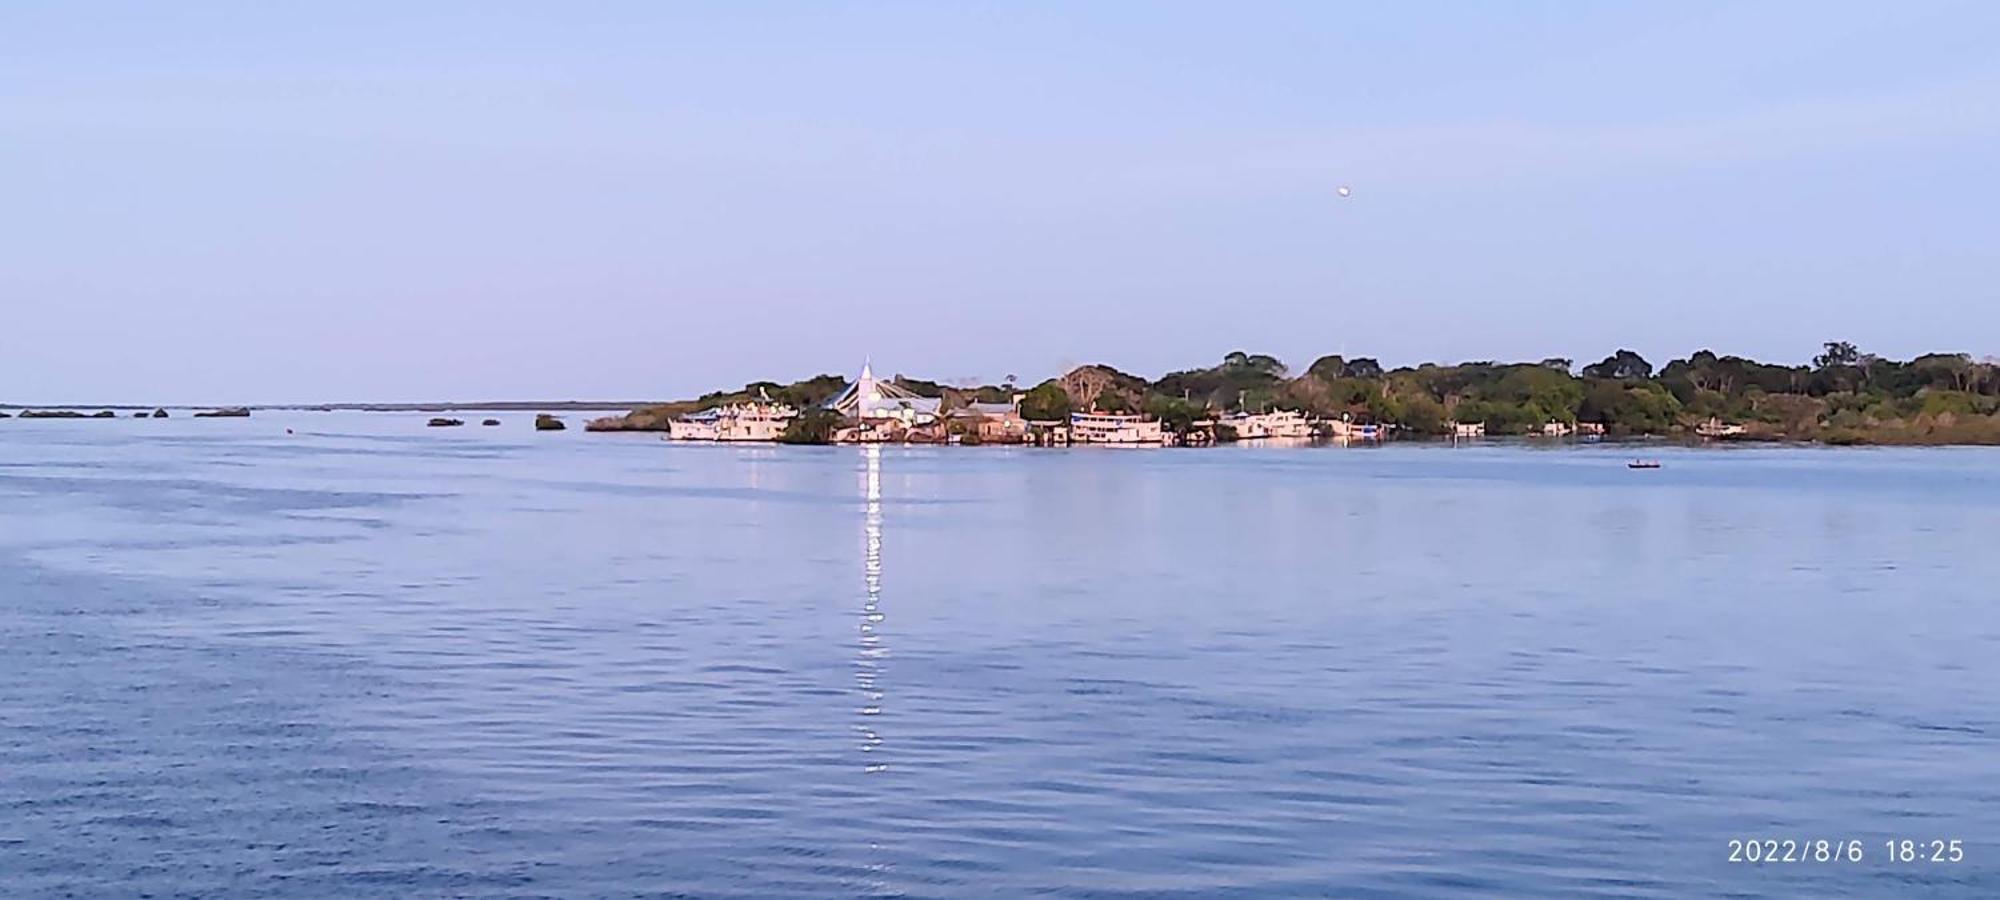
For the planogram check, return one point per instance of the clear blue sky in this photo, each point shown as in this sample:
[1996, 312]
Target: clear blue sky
[258, 202]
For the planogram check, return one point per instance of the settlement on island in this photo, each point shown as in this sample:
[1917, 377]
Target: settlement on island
[871, 411]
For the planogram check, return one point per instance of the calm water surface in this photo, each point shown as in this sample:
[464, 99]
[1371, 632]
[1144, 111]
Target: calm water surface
[371, 659]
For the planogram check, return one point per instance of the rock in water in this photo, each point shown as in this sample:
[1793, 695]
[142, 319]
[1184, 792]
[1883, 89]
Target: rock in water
[107, 414]
[546, 422]
[159, 414]
[233, 412]
[446, 423]
[489, 423]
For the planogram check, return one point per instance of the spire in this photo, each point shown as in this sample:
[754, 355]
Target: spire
[865, 394]
[864, 387]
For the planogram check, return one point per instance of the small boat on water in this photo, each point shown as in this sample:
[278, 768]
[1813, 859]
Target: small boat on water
[1643, 464]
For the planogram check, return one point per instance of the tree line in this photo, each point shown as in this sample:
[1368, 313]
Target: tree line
[1844, 395]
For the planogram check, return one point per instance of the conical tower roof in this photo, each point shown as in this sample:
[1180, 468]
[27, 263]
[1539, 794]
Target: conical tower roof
[866, 388]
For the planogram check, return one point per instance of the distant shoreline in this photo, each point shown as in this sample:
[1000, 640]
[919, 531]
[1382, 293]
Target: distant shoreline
[1678, 440]
[481, 406]
[1843, 397]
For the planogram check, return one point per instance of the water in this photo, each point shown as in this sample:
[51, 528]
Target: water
[371, 659]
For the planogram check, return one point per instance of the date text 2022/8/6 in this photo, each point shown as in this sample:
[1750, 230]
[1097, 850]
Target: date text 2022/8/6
[1846, 850]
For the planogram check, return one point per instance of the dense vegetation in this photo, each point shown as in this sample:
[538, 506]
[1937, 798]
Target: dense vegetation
[811, 426]
[809, 392]
[1843, 396]
[1046, 402]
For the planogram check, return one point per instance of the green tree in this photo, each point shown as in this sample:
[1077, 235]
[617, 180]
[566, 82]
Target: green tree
[1363, 367]
[1951, 371]
[813, 426]
[1837, 353]
[1622, 366]
[1226, 385]
[1629, 408]
[1114, 402]
[1046, 402]
[1327, 368]
[1175, 414]
[1420, 415]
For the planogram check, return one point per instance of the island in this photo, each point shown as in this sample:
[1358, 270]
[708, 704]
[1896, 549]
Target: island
[1843, 396]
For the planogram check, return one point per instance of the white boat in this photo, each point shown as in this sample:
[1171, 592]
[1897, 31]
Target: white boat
[1352, 431]
[1259, 426]
[759, 420]
[1110, 428]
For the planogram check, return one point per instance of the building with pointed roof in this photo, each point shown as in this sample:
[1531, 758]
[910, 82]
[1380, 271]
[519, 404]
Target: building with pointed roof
[869, 399]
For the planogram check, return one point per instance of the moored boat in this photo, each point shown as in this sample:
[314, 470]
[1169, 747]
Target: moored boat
[1110, 428]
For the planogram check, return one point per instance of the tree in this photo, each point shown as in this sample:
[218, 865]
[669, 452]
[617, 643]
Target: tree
[1629, 408]
[1267, 365]
[1046, 402]
[1228, 384]
[1421, 415]
[813, 426]
[1623, 365]
[1364, 367]
[810, 392]
[1842, 368]
[1327, 368]
[1259, 363]
[1176, 415]
[1953, 371]
[1837, 353]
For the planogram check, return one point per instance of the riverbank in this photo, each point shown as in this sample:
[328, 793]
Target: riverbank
[1982, 431]
[1844, 398]
[443, 406]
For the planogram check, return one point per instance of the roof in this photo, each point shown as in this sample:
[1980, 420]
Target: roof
[984, 409]
[867, 397]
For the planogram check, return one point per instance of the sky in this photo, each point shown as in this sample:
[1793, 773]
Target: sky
[389, 201]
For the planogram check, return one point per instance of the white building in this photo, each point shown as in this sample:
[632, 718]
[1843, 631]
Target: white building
[871, 400]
